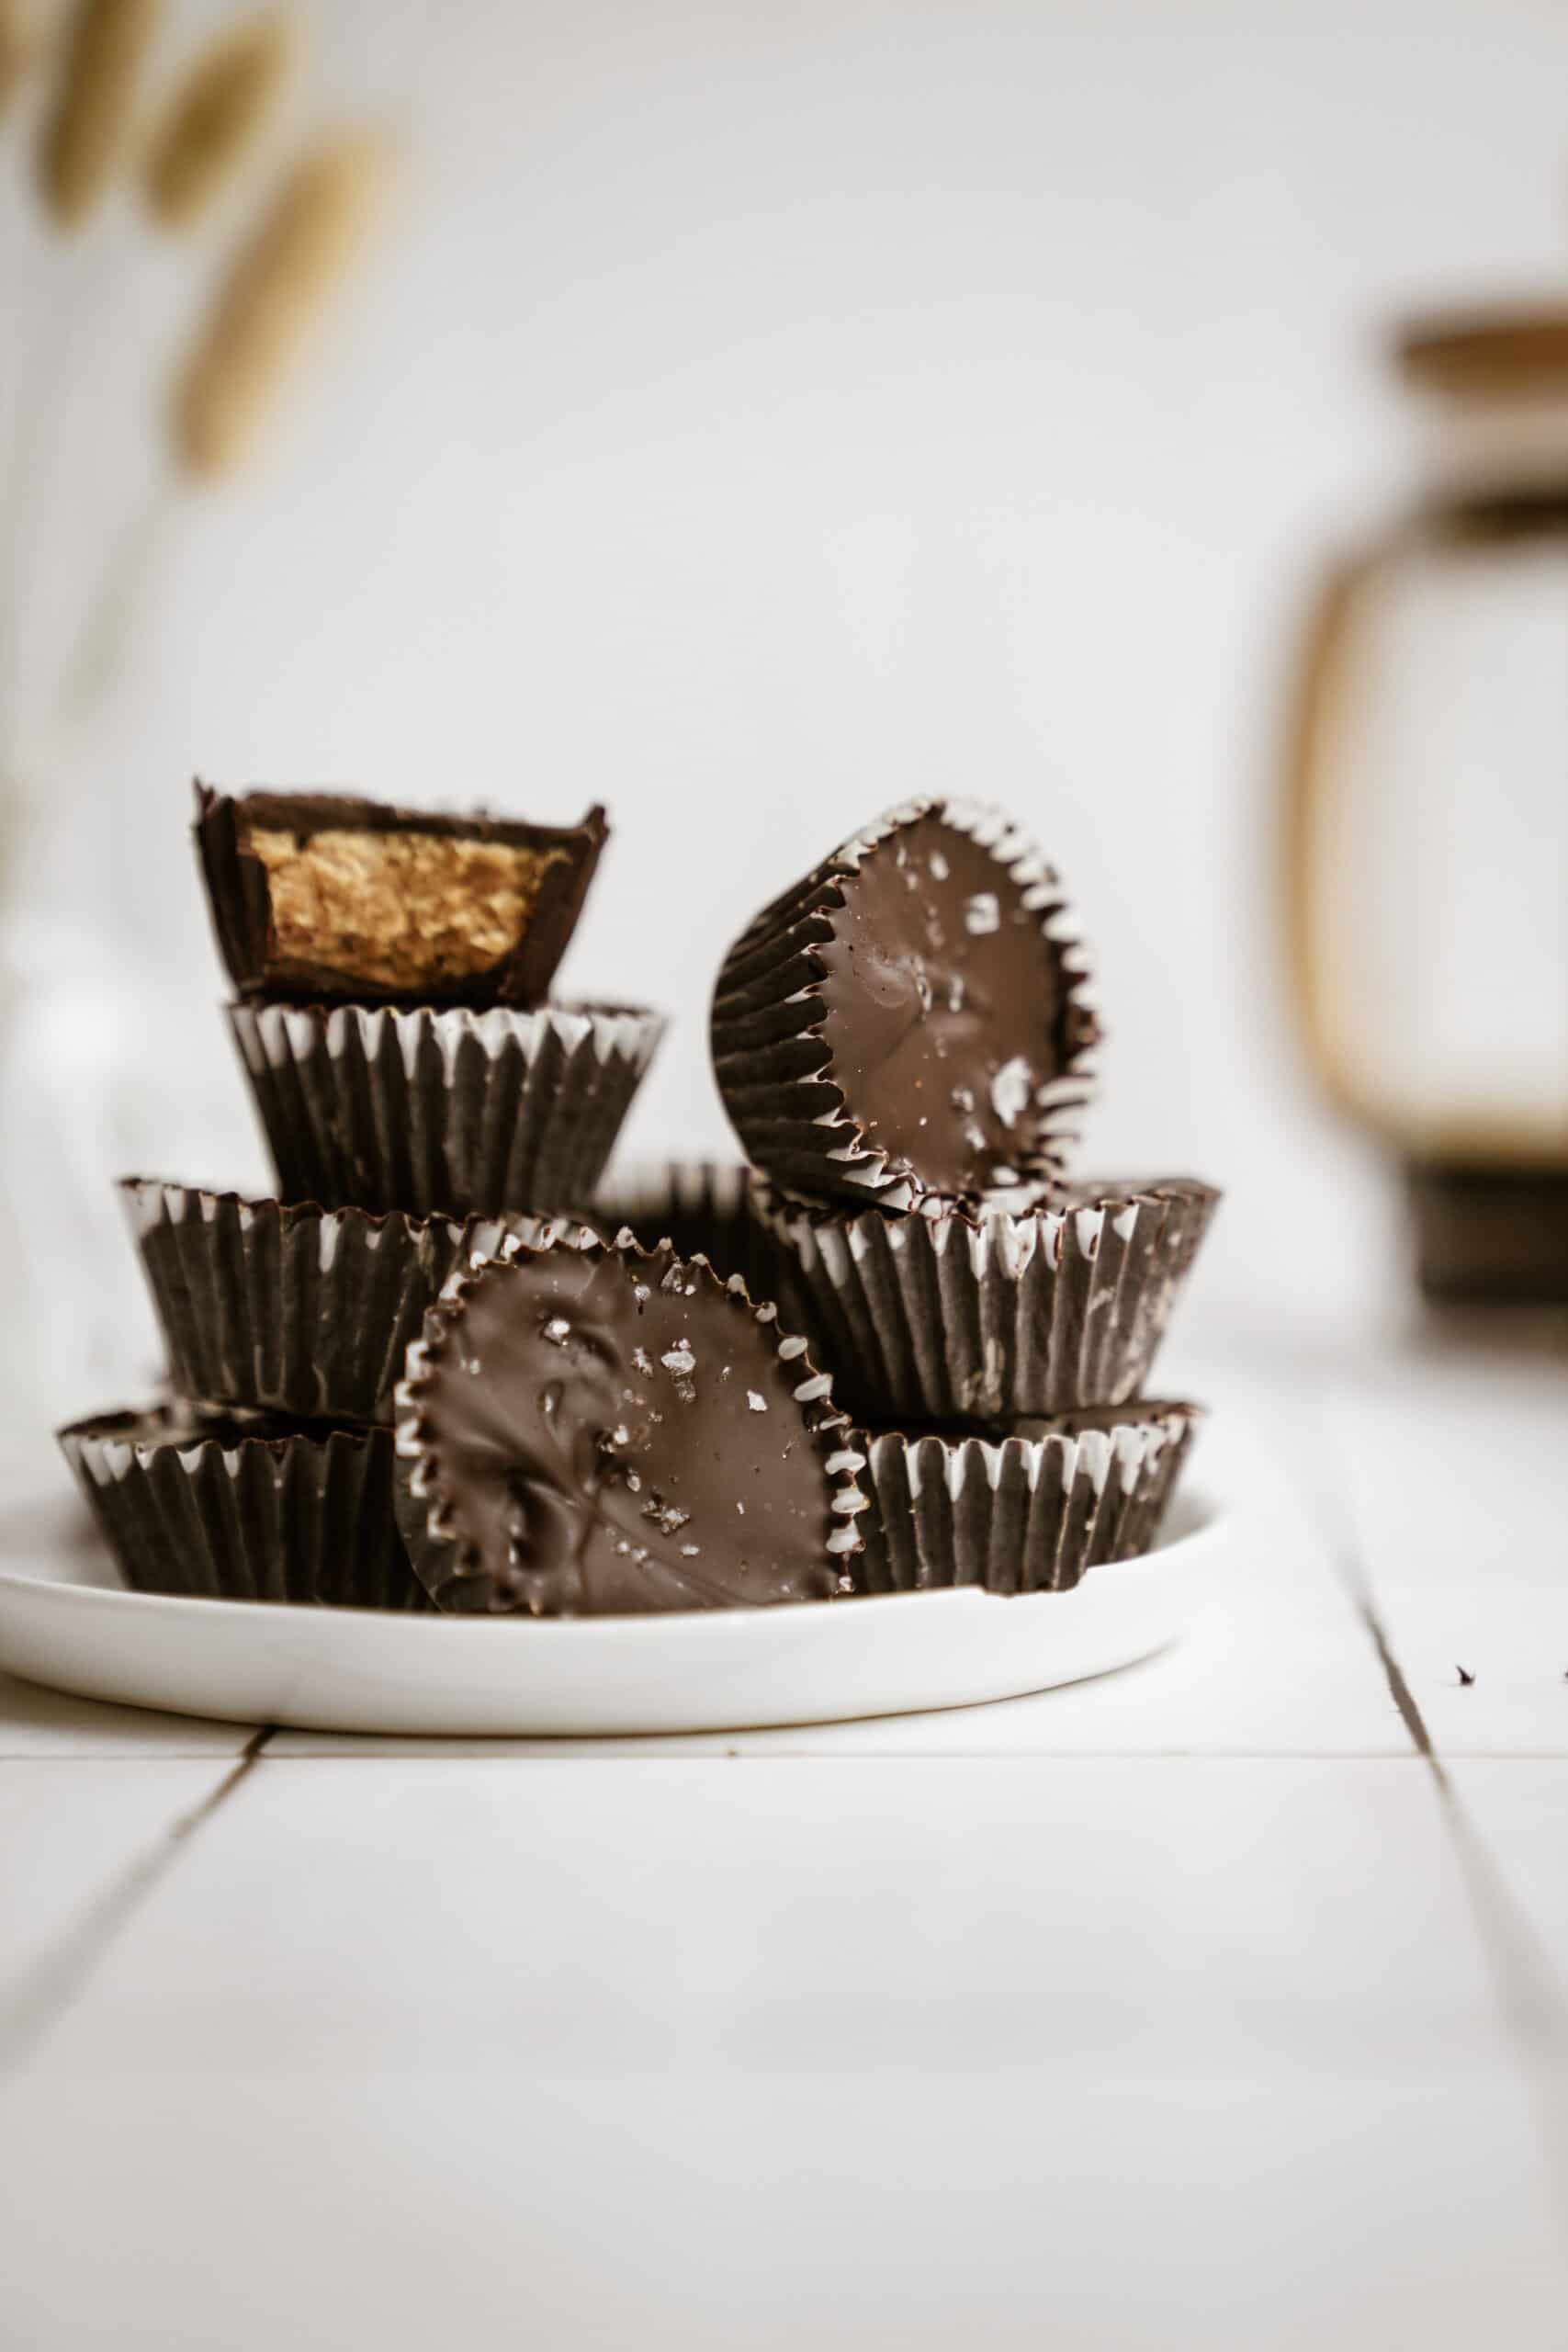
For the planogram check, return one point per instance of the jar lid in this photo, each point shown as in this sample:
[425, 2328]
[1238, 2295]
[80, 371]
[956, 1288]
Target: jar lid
[1484, 352]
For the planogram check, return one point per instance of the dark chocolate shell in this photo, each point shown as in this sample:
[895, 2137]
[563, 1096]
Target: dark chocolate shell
[1031, 1509]
[292, 1309]
[328, 898]
[948, 1315]
[245, 1509]
[452, 1112]
[913, 1019]
[703, 1208]
[612, 1431]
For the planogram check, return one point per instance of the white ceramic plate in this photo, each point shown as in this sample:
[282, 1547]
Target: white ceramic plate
[64, 1620]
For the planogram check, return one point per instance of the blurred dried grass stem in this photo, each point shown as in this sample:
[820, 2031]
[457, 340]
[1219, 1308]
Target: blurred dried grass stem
[90, 120]
[272, 297]
[216, 116]
[15, 47]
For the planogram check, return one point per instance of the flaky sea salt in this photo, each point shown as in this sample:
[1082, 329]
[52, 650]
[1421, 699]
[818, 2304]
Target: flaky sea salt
[1011, 1089]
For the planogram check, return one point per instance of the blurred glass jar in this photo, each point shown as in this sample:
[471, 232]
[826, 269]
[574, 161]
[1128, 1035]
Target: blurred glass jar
[1426, 814]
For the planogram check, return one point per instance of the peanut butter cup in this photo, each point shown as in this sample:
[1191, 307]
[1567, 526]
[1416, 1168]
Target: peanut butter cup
[247, 1508]
[1030, 1507]
[323, 897]
[614, 1430]
[955, 1314]
[291, 1308]
[913, 1019]
[702, 1209]
[443, 1111]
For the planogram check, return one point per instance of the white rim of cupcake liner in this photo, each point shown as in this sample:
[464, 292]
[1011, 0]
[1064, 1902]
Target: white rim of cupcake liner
[278, 1033]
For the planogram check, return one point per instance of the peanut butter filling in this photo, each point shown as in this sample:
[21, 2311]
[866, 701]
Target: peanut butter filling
[402, 910]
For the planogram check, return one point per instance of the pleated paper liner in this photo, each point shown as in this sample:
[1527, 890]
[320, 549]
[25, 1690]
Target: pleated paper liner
[437, 1542]
[447, 1112]
[292, 1309]
[237, 1511]
[948, 1316]
[773, 1062]
[1029, 1511]
[702, 1209]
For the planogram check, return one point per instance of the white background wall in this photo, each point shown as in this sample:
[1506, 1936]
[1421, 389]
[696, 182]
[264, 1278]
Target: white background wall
[761, 412]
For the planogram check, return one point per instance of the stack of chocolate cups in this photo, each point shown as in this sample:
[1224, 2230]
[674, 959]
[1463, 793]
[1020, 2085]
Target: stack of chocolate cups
[906, 1042]
[421, 1099]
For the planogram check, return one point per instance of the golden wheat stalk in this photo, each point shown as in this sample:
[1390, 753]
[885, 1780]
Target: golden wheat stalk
[272, 298]
[16, 46]
[216, 116]
[88, 124]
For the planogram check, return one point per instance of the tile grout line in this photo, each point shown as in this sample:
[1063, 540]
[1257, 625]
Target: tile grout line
[1399, 1690]
[485, 1752]
[1530, 1991]
[1326, 1500]
[50, 1984]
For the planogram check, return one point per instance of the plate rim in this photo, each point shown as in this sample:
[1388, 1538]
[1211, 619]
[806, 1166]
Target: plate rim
[1213, 1516]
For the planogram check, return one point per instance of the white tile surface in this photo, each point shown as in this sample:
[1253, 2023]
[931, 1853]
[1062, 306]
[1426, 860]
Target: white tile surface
[1066, 1915]
[1452, 1467]
[1117, 2054]
[1509, 1816]
[1516, 1808]
[80, 1845]
[1145, 2213]
[40, 1724]
[1515, 1645]
[1178, 2008]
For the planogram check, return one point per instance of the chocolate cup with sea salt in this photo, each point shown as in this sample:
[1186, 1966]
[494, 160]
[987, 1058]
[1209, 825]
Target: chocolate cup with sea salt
[612, 1430]
[293, 1308]
[327, 898]
[913, 1019]
[443, 1113]
[953, 1315]
[245, 1509]
[1031, 1508]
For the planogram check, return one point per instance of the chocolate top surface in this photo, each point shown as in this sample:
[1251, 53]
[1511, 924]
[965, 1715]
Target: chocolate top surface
[607, 1432]
[182, 1426]
[943, 1008]
[327, 897]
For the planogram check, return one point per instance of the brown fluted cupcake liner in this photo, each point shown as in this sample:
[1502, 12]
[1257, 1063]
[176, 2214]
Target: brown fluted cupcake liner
[292, 1309]
[246, 1510]
[1029, 1511]
[945, 1315]
[772, 1059]
[447, 1112]
[423, 1504]
[702, 1209]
